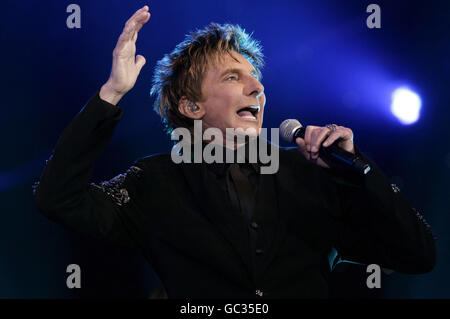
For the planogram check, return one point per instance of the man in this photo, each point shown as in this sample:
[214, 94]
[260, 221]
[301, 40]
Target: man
[225, 230]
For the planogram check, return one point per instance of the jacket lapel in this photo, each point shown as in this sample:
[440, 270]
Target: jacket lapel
[273, 213]
[279, 187]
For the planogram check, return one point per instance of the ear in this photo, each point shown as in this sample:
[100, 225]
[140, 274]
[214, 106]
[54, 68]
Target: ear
[186, 108]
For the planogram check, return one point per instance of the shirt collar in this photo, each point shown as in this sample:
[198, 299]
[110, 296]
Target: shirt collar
[221, 168]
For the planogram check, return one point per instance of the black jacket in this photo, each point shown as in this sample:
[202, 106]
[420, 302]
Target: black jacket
[165, 211]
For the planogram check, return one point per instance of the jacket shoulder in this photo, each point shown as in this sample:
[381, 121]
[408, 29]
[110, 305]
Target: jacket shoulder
[155, 161]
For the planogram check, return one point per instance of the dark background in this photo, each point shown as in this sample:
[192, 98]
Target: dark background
[323, 65]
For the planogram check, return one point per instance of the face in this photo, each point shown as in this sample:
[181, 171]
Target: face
[233, 97]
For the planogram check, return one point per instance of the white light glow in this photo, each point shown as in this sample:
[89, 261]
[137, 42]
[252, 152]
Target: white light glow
[406, 105]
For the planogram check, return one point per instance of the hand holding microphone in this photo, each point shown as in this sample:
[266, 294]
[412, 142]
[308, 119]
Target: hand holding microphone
[328, 146]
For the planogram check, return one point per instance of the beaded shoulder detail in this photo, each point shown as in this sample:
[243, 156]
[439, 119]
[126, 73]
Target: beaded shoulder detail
[115, 187]
[395, 188]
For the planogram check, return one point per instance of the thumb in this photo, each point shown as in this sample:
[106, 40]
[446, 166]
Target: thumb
[140, 61]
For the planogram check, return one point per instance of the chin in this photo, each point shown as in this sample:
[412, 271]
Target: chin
[252, 130]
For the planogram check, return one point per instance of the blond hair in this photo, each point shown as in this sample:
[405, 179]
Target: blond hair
[180, 73]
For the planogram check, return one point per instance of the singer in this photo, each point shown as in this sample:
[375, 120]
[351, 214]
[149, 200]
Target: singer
[223, 230]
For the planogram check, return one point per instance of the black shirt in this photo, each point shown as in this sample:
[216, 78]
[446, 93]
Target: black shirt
[240, 185]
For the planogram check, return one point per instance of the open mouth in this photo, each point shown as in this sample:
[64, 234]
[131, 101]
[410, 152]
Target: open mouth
[249, 112]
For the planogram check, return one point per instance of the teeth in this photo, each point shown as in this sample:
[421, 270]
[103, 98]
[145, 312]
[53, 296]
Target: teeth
[255, 107]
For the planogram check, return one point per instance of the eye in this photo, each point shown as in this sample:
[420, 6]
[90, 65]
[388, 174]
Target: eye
[232, 78]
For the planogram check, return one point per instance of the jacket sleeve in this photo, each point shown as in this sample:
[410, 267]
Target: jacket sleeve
[379, 226]
[108, 211]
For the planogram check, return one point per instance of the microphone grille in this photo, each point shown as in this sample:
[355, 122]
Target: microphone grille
[288, 128]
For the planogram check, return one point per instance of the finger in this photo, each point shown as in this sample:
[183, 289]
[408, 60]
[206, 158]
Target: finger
[308, 132]
[125, 36]
[302, 148]
[307, 155]
[146, 16]
[341, 132]
[133, 25]
[313, 137]
[130, 30]
[318, 136]
[140, 61]
[140, 21]
[301, 143]
[138, 12]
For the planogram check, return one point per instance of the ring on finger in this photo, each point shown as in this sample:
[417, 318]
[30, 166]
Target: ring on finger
[332, 127]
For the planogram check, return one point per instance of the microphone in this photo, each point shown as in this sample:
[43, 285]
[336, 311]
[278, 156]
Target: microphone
[333, 155]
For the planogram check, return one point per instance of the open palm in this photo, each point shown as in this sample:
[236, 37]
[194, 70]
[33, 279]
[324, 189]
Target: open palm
[125, 66]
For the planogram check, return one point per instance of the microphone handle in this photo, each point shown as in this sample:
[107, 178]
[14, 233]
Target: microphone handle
[338, 158]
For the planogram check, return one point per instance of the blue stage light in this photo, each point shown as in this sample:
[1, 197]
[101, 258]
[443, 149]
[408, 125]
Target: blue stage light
[406, 105]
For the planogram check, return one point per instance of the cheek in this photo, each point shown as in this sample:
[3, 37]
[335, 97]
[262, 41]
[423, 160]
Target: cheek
[226, 104]
[219, 113]
[221, 106]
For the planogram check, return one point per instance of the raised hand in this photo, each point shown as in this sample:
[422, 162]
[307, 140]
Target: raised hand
[125, 65]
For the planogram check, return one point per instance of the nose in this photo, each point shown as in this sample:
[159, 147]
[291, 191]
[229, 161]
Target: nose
[254, 87]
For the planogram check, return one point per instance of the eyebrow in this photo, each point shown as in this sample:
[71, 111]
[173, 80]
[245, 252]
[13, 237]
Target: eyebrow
[235, 70]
